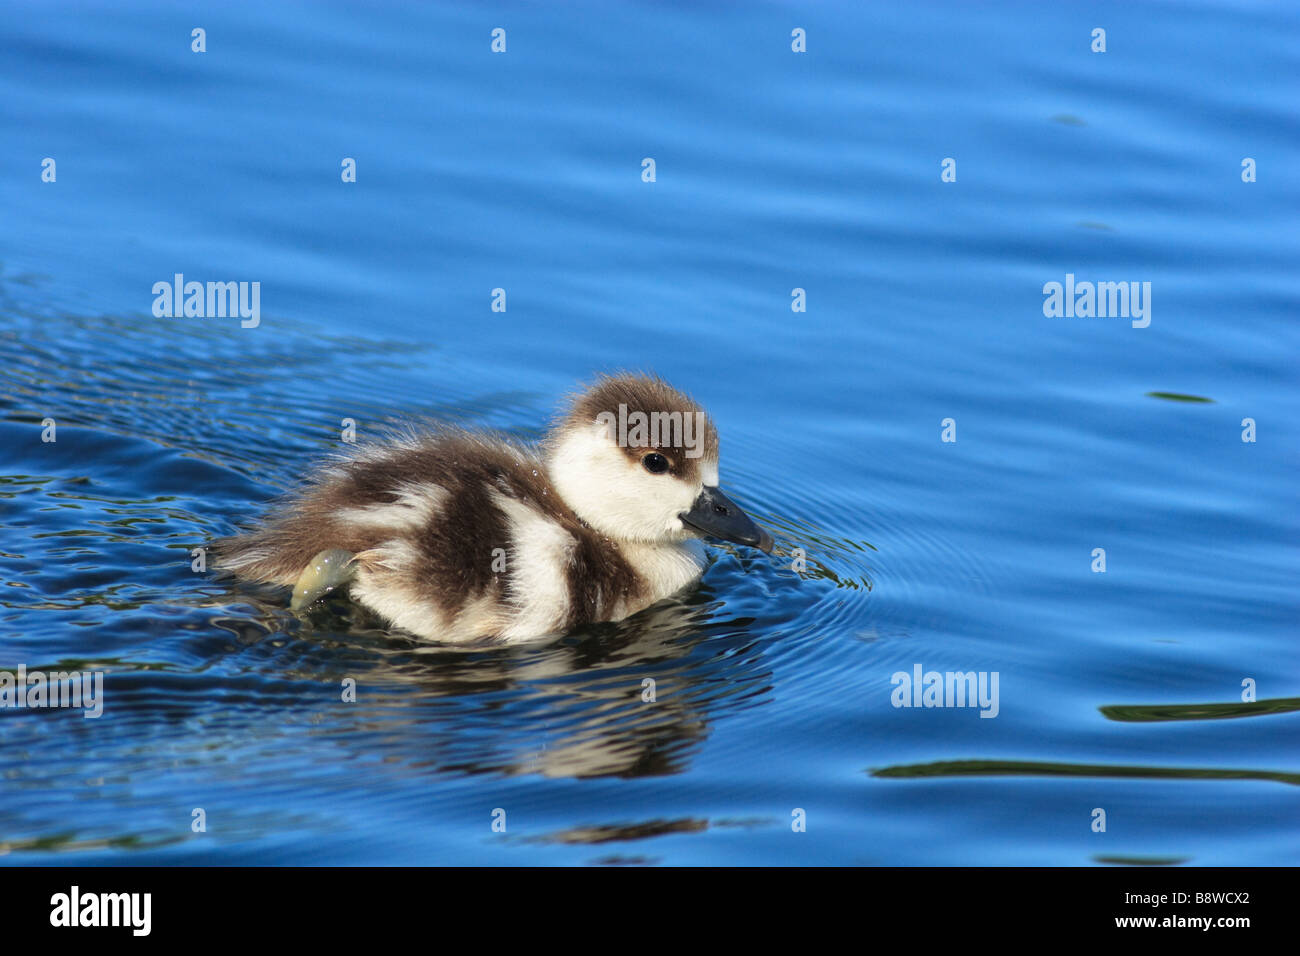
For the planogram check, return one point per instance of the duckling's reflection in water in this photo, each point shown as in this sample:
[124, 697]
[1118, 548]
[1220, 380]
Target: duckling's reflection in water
[634, 699]
[630, 699]
[647, 722]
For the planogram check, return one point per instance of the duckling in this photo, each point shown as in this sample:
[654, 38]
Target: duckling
[457, 536]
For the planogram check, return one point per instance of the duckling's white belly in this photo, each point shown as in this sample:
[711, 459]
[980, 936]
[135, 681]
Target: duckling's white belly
[665, 569]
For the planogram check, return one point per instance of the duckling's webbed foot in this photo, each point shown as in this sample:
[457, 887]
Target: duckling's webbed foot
[325, 572]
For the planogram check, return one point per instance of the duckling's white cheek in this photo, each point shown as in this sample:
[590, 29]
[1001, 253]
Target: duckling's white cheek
[586, 469]
[659, 499]
[616, 494]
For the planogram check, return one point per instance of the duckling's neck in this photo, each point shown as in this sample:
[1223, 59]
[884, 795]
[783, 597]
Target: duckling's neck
[665, 567]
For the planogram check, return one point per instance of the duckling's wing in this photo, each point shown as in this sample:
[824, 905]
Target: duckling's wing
[416, 510]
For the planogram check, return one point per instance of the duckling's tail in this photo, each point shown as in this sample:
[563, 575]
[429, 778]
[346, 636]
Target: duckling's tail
[268, 556]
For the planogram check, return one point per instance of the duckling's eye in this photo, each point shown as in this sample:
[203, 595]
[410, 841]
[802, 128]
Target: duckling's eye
[655, 463]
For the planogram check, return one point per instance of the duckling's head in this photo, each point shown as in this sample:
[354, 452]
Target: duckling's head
[638, 461]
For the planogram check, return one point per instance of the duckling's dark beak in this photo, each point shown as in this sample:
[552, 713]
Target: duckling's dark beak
[717, 516]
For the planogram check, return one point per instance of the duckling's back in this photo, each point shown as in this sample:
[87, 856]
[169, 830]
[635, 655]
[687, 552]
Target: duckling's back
[455, 535]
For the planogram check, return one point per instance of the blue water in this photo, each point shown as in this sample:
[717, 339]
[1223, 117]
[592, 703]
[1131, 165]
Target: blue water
[1120, 690]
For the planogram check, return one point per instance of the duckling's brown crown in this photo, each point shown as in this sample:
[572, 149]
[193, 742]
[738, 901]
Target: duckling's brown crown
[644, 415]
